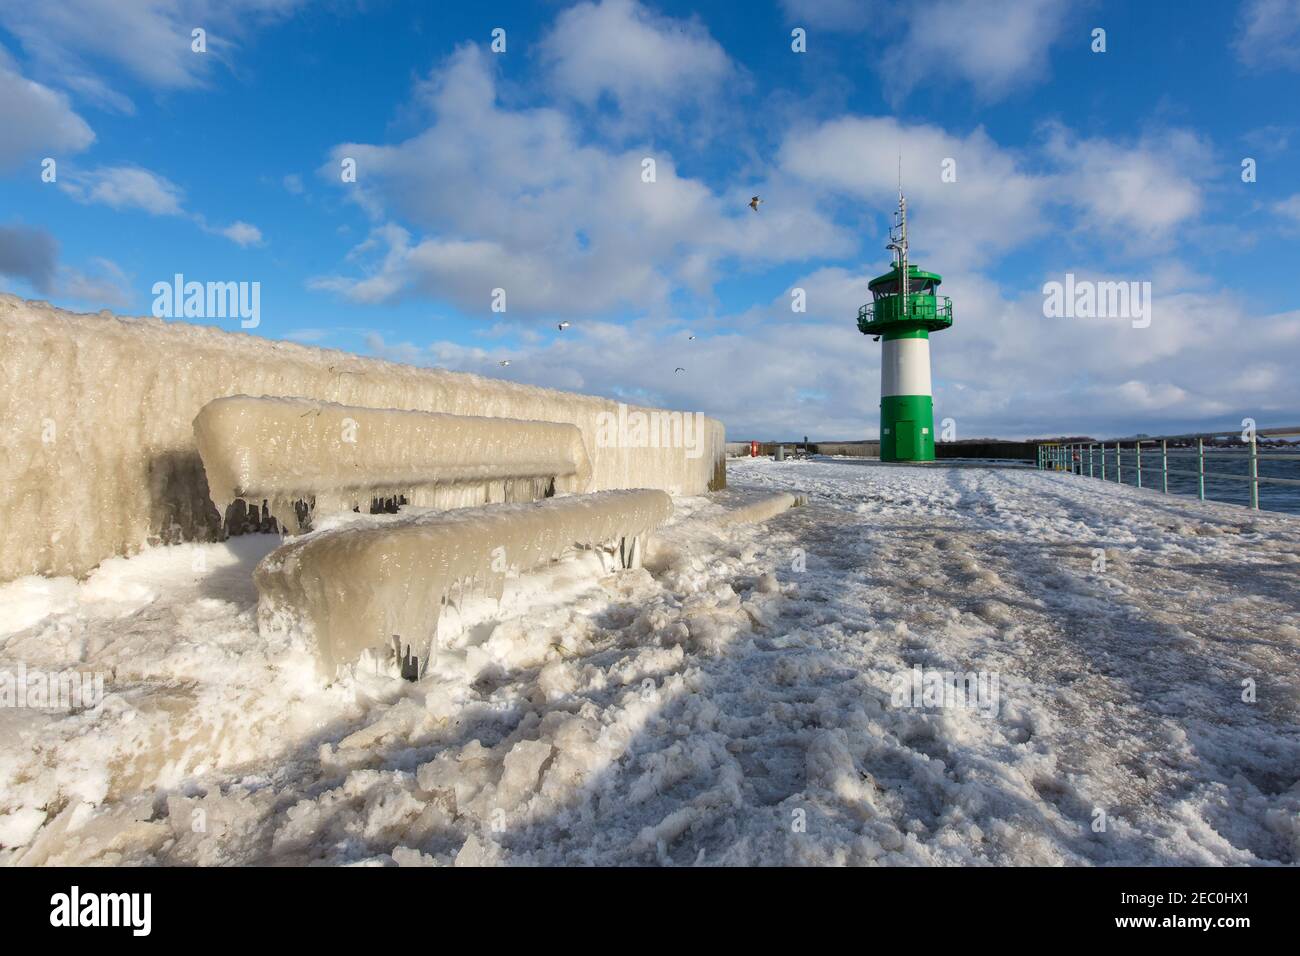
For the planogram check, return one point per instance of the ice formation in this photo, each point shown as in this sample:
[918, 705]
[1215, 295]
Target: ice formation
[97, 412]
[357, 586]
[762, 507]
[340, 457]
[700, 708]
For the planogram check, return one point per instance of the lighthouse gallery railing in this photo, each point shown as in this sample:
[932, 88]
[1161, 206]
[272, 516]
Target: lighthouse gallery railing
[1073, 457]
[922, 307]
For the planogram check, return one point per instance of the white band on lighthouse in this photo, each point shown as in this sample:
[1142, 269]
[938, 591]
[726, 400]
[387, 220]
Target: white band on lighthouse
[905, 367]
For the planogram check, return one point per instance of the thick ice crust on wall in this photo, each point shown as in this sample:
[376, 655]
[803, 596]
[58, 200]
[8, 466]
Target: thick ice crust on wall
[97, 411]
[354, 587]
[285, 450]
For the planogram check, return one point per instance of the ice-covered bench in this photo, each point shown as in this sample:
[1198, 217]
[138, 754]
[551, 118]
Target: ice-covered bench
[357, 586]
[340, 457]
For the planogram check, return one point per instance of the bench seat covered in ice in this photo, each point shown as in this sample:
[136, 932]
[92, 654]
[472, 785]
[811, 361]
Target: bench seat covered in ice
[743, 508]
[340, 457]
[358, 586]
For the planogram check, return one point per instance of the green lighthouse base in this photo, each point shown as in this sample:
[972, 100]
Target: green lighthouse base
[907, 428]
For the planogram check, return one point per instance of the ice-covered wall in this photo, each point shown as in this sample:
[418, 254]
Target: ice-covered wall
[97, 411]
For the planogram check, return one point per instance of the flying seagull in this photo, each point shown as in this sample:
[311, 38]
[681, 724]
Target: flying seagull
[690, 338]
[754, 203]
[678, 369]
[562, 326]
[504, 362]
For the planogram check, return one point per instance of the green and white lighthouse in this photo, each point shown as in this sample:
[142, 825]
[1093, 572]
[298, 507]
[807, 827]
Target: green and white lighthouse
[904, 310]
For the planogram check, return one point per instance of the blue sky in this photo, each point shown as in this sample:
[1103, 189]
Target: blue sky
[522, 170]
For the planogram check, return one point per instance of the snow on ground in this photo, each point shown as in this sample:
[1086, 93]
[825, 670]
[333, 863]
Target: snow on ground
[734, 702]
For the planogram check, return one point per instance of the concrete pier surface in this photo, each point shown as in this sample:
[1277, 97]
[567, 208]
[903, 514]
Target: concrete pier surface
[917, 665]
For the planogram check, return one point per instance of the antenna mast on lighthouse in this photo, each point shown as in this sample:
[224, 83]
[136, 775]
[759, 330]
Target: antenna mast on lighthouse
[898, 238]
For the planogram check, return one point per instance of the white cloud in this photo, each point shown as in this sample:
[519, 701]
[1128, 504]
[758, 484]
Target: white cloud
[993, 205]
[1028, 374]
[406, 352]
[636, 363]
[37, 121]
[997, 46]
[1138, 192]
[1269, 34]
[106, 285]
[648, 64]
[1270, 139]
[125, 187]
[1289, 209]
[128, 188]
[71, 40]
[512, 199]
[242, 233]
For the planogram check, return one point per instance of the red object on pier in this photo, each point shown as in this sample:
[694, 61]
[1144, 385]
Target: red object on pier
[753, 449]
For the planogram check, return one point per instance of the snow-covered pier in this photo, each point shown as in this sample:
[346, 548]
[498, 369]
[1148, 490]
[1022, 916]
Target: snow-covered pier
[735, 700]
